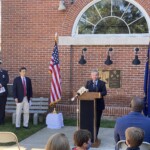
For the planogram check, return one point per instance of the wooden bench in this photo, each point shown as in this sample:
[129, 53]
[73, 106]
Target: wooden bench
[39, 106]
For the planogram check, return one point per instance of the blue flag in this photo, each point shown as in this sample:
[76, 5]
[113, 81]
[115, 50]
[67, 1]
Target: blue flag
[147, 85]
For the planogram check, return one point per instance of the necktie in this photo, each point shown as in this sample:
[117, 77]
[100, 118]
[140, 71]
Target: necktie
[24, 87]
[94, 85]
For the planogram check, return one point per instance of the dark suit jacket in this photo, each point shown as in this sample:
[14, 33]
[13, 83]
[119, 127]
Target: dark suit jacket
[18, 91]
[100, 87]
[133, 119]
[4, 79]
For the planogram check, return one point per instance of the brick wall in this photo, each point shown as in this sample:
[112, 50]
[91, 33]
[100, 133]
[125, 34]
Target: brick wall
[28, 29]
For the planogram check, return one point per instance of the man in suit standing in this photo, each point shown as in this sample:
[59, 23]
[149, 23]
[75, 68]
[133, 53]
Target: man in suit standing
[4, 79]
[22, 91]
[97, 85]
[134, 119]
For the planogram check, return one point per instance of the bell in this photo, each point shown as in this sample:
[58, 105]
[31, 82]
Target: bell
[62, 5]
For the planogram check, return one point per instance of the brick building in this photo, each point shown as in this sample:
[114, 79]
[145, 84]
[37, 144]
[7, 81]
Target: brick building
[27, 39]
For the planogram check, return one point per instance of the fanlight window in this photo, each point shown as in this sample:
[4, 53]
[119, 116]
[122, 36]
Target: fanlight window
[112, 17]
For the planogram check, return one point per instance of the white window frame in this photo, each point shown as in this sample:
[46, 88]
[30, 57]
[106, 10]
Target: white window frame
[95, 1]
[106, 39]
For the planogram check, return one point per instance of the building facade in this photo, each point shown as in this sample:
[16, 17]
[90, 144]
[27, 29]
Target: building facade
[27, 38]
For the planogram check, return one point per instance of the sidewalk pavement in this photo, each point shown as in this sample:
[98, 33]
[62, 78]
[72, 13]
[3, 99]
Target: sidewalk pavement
[39, 139]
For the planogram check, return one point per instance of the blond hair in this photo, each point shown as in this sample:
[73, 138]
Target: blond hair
[58, 141]
[134, 136]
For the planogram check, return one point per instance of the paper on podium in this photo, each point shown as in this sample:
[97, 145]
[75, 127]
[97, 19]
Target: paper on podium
[54, 121]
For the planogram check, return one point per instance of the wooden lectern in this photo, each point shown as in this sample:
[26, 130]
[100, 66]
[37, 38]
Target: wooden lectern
[86, 116]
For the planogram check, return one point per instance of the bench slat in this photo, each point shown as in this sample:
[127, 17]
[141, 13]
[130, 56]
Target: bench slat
[31, 112]
[39, 105]
[31, 107]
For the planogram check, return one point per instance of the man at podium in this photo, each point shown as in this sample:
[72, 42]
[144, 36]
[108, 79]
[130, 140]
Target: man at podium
[97, 85]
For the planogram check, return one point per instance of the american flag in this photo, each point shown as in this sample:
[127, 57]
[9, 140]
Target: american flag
[54, 67]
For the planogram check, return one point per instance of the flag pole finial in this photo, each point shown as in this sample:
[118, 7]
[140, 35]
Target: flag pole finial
[54, 111]
[56, 37]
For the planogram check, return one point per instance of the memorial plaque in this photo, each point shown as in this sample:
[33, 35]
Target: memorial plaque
[104, 76]
[114, 79]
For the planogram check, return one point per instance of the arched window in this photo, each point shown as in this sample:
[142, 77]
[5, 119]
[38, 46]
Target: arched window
[111, 17]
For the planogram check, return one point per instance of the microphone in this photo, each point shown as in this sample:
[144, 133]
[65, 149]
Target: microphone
[72, 99]
[80, 92]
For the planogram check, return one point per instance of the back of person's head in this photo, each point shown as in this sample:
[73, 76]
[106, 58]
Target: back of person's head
[137, 104]
[134, 136]
[58, 141]
[81, 136]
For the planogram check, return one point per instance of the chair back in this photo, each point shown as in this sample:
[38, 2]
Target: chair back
[121, 145]
[7, 137]
[145, 146]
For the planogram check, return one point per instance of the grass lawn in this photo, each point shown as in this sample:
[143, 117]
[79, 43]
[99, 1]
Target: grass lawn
[104, 123]
[21, 133]
[24, 133]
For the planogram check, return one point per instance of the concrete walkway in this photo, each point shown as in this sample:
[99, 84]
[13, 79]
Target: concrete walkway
[39, 139]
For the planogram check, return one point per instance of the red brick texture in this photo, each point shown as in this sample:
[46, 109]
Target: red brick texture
[28, 29]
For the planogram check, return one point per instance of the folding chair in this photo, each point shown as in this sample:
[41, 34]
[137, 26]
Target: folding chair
[121, 145]
[145, 146]
[8, 137]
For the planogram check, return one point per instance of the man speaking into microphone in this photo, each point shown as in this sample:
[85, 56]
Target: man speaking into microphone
[97, 85]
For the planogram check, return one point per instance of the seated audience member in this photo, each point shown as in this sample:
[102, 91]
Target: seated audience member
[58, 141]
[134, 119]
[134, 138]
[82, 140]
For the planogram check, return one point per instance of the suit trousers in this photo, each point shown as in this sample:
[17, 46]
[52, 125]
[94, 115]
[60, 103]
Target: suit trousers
[3, 100]
[24, 105]
[98, 116]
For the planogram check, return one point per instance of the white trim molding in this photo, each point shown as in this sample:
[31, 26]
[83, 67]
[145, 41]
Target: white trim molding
[105, 40]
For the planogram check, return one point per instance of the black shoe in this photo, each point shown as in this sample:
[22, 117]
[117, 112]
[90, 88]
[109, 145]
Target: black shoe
[25, 127]
[17, 128]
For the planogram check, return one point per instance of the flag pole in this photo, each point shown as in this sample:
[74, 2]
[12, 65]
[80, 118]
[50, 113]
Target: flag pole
[56, 39]
[147, 105]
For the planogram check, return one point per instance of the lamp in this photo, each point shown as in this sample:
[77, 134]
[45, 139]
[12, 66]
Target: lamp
[136, 60]
[82, 60]
[108, 60]
[72, 1]
[62, 5]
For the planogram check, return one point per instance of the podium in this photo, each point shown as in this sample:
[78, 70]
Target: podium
[86, 116]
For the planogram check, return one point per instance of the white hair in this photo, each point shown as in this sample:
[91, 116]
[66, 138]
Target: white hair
[95, 71]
